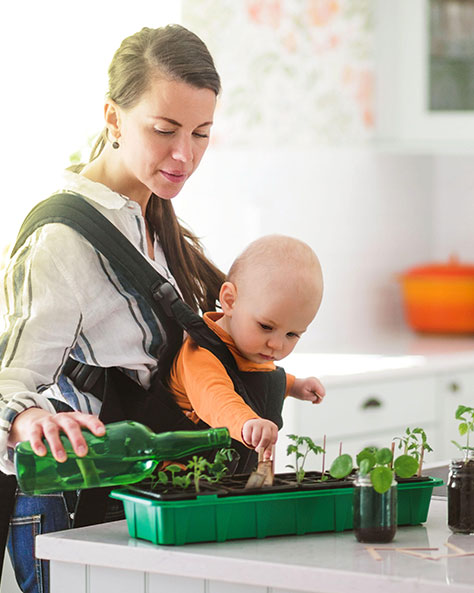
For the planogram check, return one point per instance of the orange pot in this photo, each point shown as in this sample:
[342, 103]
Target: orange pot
[439, 298]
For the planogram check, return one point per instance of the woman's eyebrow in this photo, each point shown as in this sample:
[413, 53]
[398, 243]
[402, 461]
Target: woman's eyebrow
[176, 123]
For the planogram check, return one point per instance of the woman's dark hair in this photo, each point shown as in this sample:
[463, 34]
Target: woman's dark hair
[176, 54]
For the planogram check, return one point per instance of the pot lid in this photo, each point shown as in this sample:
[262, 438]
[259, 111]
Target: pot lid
[452, 268]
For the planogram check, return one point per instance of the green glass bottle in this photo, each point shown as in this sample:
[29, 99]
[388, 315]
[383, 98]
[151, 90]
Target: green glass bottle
[128, 453]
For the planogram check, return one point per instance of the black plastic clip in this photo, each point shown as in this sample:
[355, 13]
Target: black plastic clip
[166, 295]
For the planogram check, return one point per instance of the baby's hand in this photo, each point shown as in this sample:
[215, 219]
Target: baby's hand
[261, 435]
[309, 389]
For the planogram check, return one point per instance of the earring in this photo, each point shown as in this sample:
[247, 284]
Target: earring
[115, 144]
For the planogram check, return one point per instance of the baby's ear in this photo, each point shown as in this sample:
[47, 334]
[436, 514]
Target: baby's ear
[227, 297]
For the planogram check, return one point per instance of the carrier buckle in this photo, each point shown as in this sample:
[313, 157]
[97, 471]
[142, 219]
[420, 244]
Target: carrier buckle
[166, 295]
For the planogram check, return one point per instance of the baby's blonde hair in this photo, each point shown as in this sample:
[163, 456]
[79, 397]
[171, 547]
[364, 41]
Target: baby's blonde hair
[278, 256]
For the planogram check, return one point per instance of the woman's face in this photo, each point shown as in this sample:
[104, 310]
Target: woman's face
[164, 136]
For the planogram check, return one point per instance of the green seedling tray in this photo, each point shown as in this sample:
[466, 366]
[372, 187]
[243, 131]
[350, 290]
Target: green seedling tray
[209, 517]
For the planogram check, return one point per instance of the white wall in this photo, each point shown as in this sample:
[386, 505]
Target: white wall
[453, 184]
[368, 215]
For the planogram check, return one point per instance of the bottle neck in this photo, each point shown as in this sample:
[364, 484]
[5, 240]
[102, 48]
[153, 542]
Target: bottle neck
[174, 445]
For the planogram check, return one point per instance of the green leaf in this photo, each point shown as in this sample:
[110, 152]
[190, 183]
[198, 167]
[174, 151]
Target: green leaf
[173, 468]
[367, 454]
[463, 428]
[291, 449]
[308, 441]
[341, 466]
[162, 477]
[460, 411]
[365, 466]
[381, 478]
[405, 466]
[383, 456]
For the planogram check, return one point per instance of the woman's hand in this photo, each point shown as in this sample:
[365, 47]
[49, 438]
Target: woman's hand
[34, 424]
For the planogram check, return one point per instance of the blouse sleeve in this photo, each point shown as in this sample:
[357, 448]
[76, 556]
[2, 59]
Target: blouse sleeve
[42, 320]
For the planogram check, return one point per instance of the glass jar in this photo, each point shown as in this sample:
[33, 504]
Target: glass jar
[375, 514]
[460, 488]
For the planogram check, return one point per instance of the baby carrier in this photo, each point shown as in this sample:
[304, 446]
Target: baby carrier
[123, 398]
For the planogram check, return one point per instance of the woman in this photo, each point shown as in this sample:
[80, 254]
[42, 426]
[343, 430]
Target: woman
[63, 298]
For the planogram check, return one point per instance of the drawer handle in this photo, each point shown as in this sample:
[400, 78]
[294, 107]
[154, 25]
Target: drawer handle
[371, 402]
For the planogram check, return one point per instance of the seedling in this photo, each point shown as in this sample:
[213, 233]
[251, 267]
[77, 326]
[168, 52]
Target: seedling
[375, 462]
[300, 447]
[199, 469]
[198, 466]
[466, 426]
[414, 444]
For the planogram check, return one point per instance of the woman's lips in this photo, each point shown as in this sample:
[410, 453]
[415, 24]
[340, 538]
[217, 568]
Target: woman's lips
[173, 177]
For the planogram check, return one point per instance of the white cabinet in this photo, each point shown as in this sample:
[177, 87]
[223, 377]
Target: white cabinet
[424, 51]
[453, 388]
[365, 414]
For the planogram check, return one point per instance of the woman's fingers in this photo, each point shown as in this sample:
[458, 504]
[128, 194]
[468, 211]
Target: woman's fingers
[71, 423]
[51, 434]
[38, 425]
[36, 440]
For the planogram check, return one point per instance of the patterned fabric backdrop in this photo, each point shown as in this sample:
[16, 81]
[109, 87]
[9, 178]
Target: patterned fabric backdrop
[296, 73]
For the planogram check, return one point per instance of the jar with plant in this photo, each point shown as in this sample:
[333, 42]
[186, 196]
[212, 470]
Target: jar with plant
[375, 493]
[375, 484]
[460, 484]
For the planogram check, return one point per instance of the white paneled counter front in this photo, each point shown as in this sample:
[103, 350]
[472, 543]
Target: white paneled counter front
[374, 394]
[104, 559]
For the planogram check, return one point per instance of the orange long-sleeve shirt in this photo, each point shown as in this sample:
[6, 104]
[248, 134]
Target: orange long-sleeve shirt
[204, 390]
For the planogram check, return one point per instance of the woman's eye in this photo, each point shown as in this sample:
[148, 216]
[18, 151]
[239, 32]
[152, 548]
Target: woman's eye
[164, 132]
[292, 335]
[265, 327]
[200, 135]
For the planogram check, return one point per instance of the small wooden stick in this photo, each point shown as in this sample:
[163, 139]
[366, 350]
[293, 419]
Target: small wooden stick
[455, 548]
[412, 553]
[393, 454]
[451, 555]
[373, 553]
[340, 448]
[402, 548]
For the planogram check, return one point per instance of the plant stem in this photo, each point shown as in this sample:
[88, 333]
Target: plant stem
[421, 460]
[467, 445]
[324, 456]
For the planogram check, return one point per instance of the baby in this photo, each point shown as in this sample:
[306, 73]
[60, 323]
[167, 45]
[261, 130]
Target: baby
[272, 293]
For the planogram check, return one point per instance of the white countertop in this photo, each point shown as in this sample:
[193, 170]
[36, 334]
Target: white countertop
[386, 357]
[325, 562]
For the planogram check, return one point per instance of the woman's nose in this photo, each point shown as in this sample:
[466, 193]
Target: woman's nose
[182, 150]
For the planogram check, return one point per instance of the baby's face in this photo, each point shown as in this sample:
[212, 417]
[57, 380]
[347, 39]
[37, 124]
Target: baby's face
[266, 325]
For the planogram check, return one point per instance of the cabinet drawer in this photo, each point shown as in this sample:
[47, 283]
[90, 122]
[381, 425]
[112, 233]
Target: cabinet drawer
[369, 407]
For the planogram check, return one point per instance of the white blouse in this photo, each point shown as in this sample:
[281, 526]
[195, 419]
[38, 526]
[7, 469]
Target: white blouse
[63, 299]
